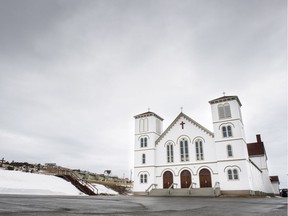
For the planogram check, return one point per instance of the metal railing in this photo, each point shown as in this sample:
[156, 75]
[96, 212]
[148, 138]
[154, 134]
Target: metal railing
[216, 189]
[192, 185]
[171, 186]
[150, 187]
[80, 180]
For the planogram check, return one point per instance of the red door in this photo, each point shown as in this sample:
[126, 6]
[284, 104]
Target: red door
[167, 179]
[205, 178]
[185, 179]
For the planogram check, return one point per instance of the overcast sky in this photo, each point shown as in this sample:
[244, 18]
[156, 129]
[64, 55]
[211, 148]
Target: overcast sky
[74, 73]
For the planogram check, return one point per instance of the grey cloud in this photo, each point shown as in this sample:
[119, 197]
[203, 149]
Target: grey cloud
[81, 70]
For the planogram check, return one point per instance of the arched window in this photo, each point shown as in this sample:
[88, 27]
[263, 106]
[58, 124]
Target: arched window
[224, 131]
[170, 153]
[233, 174]
[143, 142]
[224, 111]
[229, 151]
[199, 150]
[184, 153]
[145, 125]
[143, 178]
[230, 176]
[141, 125]
[227, 131]
[143, 158]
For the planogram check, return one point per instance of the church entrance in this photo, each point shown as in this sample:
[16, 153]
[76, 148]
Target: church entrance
[205, 178]
[185, 179]
[167, 179]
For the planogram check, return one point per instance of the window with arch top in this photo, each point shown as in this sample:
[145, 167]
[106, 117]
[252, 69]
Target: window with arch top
[143, 178]
[184, 151]
[227, 131]
[224, 111]
[199, 150]
[233, 174]
[170, 153]
[143, 158]
[143, 142]
[229, 151]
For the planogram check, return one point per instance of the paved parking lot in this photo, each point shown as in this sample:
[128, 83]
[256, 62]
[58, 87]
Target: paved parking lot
[135, 205]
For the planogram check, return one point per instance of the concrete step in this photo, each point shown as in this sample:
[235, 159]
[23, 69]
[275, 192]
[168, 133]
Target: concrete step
[179, 192]
[205, 192]
[159, 192]
[197, 192]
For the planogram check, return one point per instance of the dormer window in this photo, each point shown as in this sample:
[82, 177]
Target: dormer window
[224, 111]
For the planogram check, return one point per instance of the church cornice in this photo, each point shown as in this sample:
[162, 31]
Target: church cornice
[147, 114]
[188, 119]
[225, 98]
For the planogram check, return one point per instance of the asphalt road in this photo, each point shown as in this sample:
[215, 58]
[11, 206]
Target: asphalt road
[135, 205]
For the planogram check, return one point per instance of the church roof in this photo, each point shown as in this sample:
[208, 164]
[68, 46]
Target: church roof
[274, 179]
[188, 119]
[256, 148]
[225, 98]
[146, 114]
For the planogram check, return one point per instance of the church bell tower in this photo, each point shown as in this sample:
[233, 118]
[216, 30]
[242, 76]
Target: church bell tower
[148, 128]
[228, 128]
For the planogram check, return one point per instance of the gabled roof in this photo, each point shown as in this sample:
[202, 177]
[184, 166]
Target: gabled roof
[225, 98]
[188, 119]
[146, 114]
[256, 148]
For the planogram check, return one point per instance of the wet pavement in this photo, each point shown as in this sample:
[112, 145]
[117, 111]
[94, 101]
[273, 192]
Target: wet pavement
[134, 205]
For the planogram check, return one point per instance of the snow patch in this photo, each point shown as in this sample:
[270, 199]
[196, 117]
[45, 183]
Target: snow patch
[16, 182]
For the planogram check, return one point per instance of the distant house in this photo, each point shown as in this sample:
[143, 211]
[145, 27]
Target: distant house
[50, 164]
[188, 155]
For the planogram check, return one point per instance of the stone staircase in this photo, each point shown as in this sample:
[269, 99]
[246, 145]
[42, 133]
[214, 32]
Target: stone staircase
[195, 192]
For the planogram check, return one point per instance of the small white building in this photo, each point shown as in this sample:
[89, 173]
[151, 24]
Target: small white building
[188, 155]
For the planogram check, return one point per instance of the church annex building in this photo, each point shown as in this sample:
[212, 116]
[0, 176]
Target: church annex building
[188, 157]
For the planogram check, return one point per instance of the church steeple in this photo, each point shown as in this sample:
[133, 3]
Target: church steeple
[148, 122]
[228, 124]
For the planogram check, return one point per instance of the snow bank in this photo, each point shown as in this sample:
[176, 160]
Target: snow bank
[15, 182]
[104, 190]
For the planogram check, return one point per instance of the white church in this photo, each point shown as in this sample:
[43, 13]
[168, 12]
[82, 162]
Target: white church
[187, 158]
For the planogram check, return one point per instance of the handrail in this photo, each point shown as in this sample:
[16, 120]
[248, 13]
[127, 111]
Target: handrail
[147, 190]
[172, 185]
[78, 179]
[83, 182]
[191, 186]
[169, 189]
[216, 186]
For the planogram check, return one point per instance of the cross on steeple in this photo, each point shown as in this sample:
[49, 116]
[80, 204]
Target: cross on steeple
[182, 124]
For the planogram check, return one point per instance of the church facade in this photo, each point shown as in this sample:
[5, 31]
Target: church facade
[187, 155]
